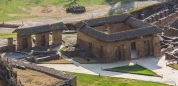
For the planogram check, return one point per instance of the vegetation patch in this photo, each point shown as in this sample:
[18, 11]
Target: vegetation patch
[96, 80]
[20, 9]
[83, 60]
[7, 35]
[174, 65]
[63, 48]
[133, 69]
[60, 61]
[33, 78]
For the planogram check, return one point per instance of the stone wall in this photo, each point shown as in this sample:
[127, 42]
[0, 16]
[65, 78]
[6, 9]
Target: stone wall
[169, 48]
[152, 10]
[39, 39]
[68, 79]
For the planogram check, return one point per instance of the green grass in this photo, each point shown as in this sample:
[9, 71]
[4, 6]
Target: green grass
[95, 80]
[133, 69]
[174, 65]
[20, 7]
[62, 49]
[6, 35]
[60, 61]
[82, 60]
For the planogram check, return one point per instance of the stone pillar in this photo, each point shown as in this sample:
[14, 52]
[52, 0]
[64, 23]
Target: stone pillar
[162, 14]
[166, 12]
[156, 45]
[57, 37]
[109, 29]
[160, 23]
[127, 51]
[153, 18]
[142, 16]
[11, 48]
[158, 16]
[140, 48]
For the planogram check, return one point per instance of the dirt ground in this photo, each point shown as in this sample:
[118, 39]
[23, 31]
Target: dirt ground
[34, 78]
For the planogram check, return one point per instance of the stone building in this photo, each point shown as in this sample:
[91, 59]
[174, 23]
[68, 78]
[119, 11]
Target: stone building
[120, 37]
[24, 39]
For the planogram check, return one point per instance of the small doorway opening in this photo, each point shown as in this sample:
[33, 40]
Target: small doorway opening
[147, 47]
[101, 51]
[43, 40]
[118, 53]
[133, 50]
[25, 43]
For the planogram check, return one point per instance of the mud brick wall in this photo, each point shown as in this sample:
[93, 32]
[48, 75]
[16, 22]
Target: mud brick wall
[20, 41]
[39, 40]
[156, 45]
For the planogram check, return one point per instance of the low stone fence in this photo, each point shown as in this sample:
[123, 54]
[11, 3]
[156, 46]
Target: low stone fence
[46, 58]
[68, 79]
[44, 52]
[169, 48]
[10, 25]
[7, 48]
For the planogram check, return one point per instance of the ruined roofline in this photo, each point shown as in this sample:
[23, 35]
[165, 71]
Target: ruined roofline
[120, 35]
[123, 18]
[22, 31]
[59, 26]
[104, 20]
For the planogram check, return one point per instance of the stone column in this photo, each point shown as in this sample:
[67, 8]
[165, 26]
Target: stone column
[57, 37]
[11, 48]
[166, 12]
[157, 16]
[160, 23]
[127, 51]
[109, 29]
[140, 48]
[153, 18]
[142, 16]
[156, 45]
[162, 14]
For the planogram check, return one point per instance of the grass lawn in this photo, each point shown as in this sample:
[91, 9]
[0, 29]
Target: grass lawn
[133, 69]
[83, 60]
[60, 61]
[95, 80]
[20, 9]
[6, 35]
[33, 78]
[174, 65]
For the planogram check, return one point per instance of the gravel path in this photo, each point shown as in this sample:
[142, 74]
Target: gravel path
[87, 15]
[157, 65]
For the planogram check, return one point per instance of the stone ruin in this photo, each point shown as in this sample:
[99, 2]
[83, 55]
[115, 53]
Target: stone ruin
[41, 56]
[7, 76]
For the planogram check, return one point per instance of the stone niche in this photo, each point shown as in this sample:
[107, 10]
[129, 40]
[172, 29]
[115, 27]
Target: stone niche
[42, 39]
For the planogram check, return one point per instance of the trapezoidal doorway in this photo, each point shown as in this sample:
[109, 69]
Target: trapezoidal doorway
[43, 42]
[25, 43]
[133, 50]
[118, 53]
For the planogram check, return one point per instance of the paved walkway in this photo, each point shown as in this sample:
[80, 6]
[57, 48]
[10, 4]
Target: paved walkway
[157, 64]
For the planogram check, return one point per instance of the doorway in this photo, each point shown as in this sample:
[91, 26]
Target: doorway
[25, 43]
[43, 40]
[118, 53]
[133, 50]
[101, 51]
[147, 47]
